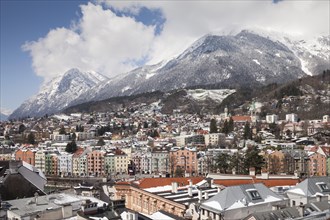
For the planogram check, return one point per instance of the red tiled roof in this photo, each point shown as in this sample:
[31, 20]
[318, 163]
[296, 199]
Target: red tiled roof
[278, 182]
[78, 152]
[118, 152]
[266, 182]
[241, 118]
[154, 182]
[202, 132]
[326, 150]
[123, 183]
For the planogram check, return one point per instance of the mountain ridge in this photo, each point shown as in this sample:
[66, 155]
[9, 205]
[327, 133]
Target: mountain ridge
[58, 93]
[246, 58]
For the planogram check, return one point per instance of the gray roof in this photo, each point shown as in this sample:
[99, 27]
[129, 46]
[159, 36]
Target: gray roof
[33, 175]
[287, 213]
[310, 187]
[28, 206]
[183, 197]
[241, 196]
[318, 206]
[33, 206]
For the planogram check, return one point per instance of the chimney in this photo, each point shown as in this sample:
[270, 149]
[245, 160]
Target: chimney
[206, 195]
[36, 198]
[219, 189]
[190, 182]
[301, 210]
[233, 171]
[252, 171]
[318, 198]
[174, 187]
[200, 195]
[265, 175]
[190, 191]
[275, 207]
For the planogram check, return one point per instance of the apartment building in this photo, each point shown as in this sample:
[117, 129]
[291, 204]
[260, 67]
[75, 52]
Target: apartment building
[65, 164]
[95, 162]
[184, 158]
[25, 155]
[40, 160]
[121, 161]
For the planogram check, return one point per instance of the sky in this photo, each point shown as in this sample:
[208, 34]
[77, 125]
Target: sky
[44, 39]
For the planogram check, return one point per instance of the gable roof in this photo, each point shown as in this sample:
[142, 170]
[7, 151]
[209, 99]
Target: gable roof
[287, 213]
[236, 197]
[309, 187]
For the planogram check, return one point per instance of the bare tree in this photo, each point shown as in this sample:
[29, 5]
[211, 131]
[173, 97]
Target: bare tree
[172, 163]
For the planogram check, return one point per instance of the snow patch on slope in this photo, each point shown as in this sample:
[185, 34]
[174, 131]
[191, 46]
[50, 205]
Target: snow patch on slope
[256, 61]
[218, 95]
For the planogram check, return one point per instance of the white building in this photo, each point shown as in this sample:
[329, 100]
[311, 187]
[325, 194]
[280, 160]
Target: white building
[291, 117]
[237, 202]
[109, 163]
[85, 135]
[145, 163]
[79, 163]
[65, 163]
[59, 137]
[160, 162]
[39, 161]
[214, 139]
[271, 118]
[313, 189]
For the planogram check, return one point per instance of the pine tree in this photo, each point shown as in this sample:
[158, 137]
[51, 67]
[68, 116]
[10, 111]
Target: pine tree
[71, 147]
[247, 131]
[73, 136]
[145, 124]
[222, 161]
[230, 125]
[213, 126]
[31, 138]
[253, 159]
[225, 128]
[100, 142]
[21, 128]
[62, 130]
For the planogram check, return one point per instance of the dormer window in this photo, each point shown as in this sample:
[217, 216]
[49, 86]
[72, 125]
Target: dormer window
[323, 187]
[254, 194]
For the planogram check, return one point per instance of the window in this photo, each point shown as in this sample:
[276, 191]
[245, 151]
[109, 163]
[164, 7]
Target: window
[323, 187]
[253, 194]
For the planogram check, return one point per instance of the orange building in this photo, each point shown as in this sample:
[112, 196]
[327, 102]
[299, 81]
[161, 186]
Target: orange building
[185, 159]
[275, 162]
[95, 162]
[25, 155]
[318, 164]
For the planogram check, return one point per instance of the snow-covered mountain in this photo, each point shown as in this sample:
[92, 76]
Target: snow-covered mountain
[244, 58]
[59, 93]
[4, 113]
[3, 117]
[247, 57]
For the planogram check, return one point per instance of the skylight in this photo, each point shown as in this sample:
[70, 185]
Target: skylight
[323, 187]
[254, 194]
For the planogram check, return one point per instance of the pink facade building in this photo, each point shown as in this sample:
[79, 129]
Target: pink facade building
[95, 162]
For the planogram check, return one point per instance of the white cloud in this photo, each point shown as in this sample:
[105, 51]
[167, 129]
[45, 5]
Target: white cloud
[187, 21]
[110, 44]
[100, 41]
